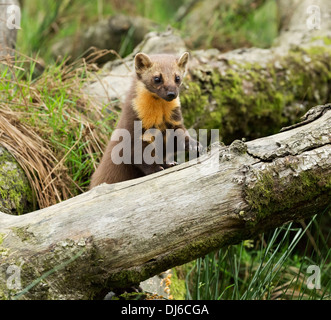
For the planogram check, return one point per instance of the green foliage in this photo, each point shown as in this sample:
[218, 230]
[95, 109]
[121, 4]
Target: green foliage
[231, 24]
[43, 22]
[261, 27]
[161, 11]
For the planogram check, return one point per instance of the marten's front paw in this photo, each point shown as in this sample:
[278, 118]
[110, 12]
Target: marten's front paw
[150, 169]
[194, 145]
[169, 165]
[158, 168]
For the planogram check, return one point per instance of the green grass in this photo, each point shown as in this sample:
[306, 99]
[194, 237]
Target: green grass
[160, 11]
[272, 267]
[261, 27]
[43, 22]
[231, 26]
[53, 106]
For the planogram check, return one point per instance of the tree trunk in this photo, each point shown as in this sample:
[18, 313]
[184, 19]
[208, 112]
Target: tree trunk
[118, 235]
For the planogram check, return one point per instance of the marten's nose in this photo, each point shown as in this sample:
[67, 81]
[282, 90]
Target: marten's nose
[171, 95]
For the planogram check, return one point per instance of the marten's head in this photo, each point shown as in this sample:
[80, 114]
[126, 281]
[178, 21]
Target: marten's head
[161, 74]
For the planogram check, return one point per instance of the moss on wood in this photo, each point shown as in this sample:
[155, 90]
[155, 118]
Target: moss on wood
[251, 101]
[271, 194]
[23, 233]
[15, 191]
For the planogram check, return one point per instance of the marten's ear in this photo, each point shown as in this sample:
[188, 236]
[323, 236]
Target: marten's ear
[182, 61]
[142, 62]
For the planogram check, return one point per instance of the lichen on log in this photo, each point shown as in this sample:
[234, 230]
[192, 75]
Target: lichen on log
[15, 191]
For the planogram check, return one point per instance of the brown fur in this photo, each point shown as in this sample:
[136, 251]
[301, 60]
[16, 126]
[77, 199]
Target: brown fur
[148, 102]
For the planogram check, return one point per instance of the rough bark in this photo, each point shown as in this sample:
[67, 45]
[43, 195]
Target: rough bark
[120, 234]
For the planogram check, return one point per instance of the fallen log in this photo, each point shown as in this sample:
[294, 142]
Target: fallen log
[118, 235]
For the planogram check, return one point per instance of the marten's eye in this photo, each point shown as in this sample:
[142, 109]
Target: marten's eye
[177, 79]
[157, 79]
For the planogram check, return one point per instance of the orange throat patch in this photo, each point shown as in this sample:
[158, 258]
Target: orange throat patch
[153, 111]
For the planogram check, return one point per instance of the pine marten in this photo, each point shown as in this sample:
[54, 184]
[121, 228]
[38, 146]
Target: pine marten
[154, 100]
